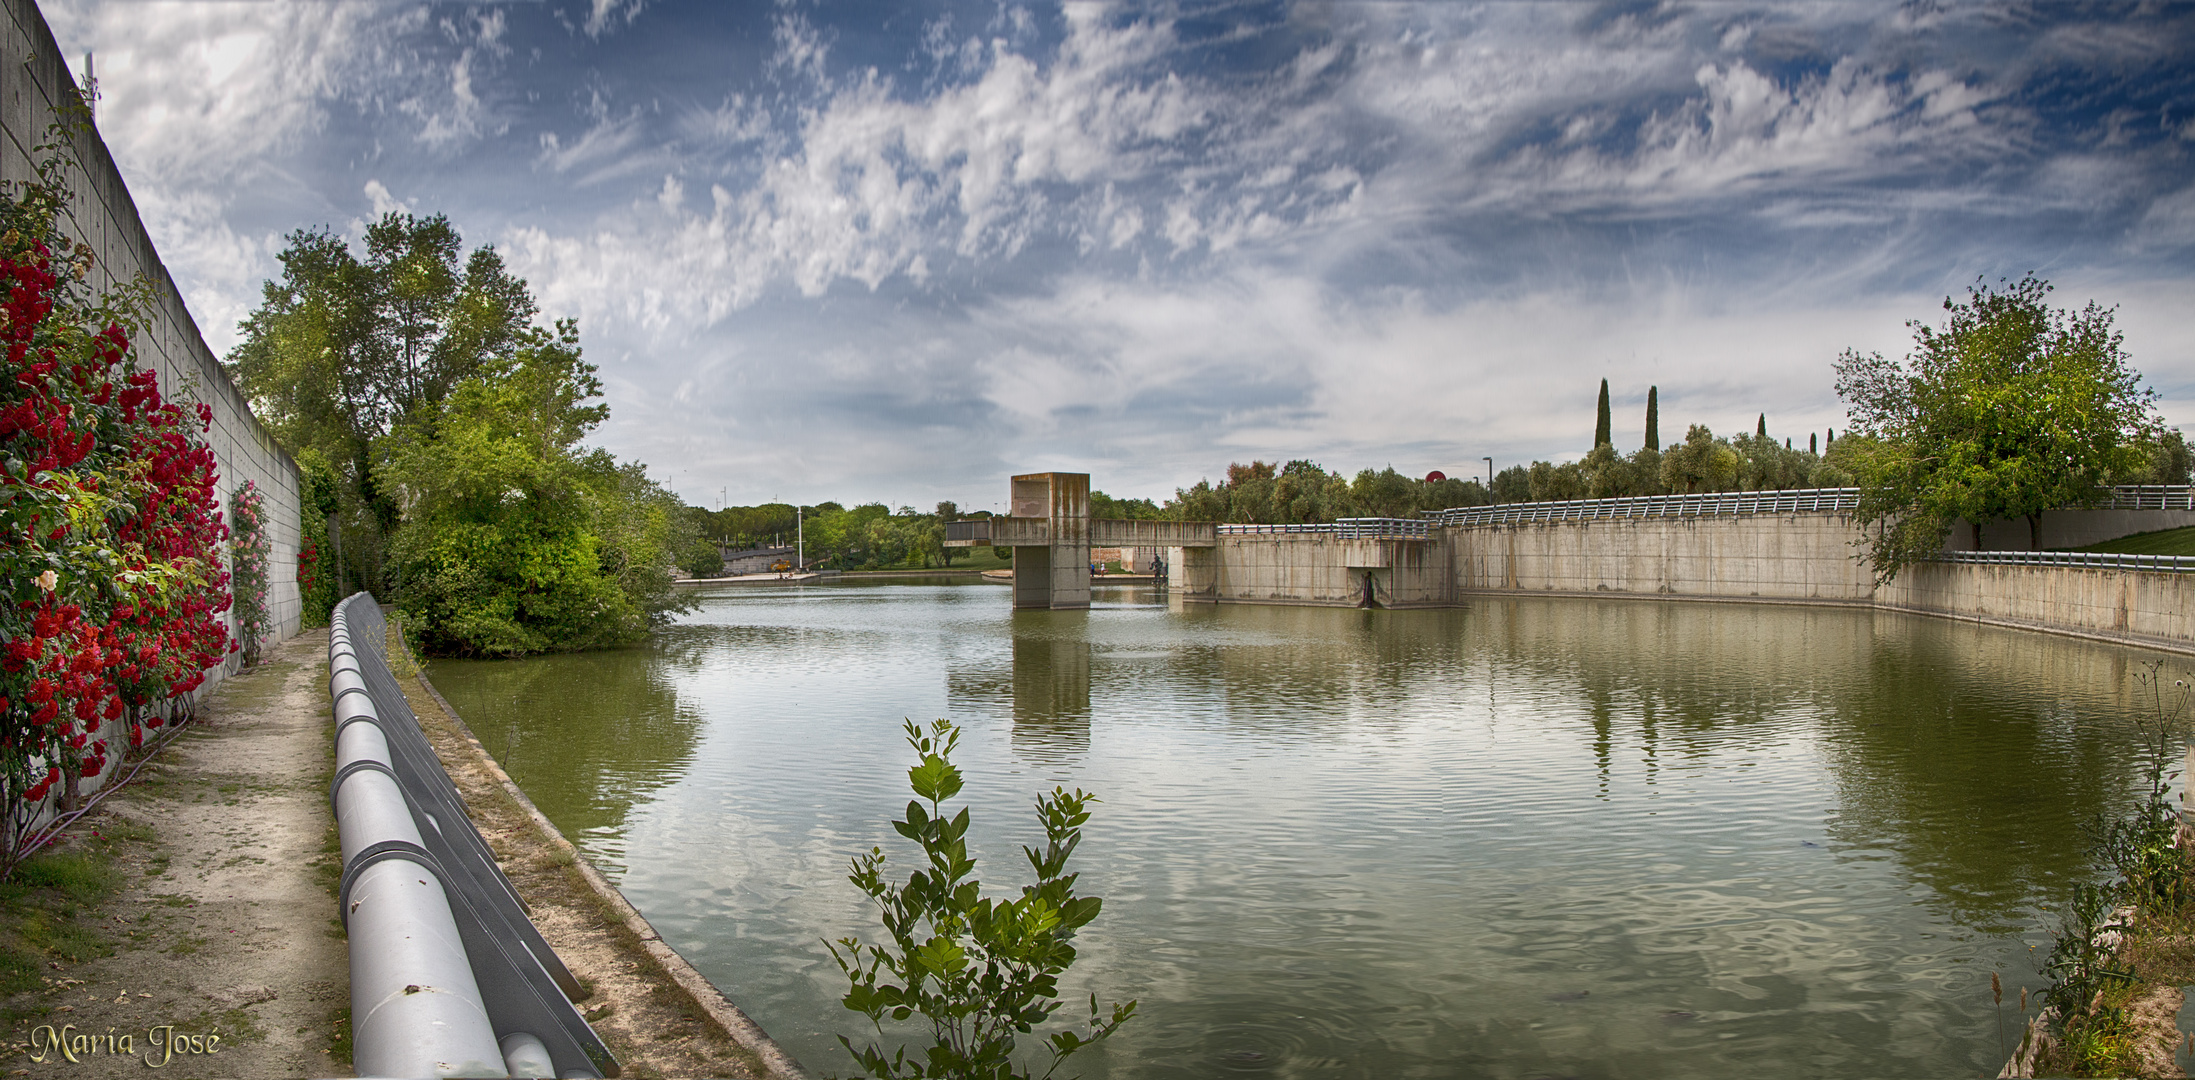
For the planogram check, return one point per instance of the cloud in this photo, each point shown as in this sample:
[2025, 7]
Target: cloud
[604, 16]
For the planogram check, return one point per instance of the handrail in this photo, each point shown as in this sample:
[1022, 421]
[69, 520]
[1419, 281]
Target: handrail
[1722, 503]
[1344, 529]
[2087, 560]
[1708, 504]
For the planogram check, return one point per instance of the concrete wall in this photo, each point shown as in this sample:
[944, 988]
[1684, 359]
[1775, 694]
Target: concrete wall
[36, 80]
[2069, 529]
[1312, 568]
[1789, 558]
[1764, 556]
[2119, 605]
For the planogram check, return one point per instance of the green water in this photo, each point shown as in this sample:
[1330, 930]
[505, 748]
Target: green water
[1523, 838]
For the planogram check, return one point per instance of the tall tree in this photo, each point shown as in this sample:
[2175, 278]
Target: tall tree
[1760, 427]
[343, 348]
[1653, 418]
[2009, 409]
[1602, 433]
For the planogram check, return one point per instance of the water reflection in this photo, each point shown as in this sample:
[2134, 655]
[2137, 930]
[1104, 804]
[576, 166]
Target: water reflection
[588, 737]
[1051, 697]
[1525, 837]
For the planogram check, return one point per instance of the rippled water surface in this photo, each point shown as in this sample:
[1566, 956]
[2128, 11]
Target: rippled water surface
[1522, 838]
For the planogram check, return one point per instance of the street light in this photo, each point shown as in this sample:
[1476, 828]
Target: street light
[1489, 475]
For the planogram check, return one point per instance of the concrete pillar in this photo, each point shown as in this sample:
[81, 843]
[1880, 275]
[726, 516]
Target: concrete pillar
[1063, 499]
[1032, 577]
[1192, 571]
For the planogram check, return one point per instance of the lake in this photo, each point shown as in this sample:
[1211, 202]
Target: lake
[1518, 838]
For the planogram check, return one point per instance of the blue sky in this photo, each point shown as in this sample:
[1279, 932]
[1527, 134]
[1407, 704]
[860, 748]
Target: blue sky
[900, 251]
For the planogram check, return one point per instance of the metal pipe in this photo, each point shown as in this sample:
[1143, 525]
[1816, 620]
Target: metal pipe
[525, 1055]
[416, 1009]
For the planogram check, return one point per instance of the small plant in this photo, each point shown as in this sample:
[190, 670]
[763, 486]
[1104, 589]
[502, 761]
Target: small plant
[2105, 950]
[982, 971]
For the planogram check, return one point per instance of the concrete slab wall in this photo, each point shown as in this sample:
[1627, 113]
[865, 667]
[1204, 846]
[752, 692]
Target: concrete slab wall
[1312, 568]
[1764, 556]
[2070, 529]
[1794, 558]
[2137, 607]
[36, 80]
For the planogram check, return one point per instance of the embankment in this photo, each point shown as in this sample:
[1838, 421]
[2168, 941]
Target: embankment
[1794, 558]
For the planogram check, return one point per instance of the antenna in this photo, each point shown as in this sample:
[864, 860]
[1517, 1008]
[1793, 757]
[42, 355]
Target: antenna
[91, 86]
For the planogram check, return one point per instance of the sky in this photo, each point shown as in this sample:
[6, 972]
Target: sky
[900, 251]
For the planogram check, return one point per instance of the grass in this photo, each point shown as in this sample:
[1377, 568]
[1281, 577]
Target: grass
[2161, 542]
[49, 908]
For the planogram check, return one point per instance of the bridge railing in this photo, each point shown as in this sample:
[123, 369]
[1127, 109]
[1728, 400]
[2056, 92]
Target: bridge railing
[2086, 560]
[977, 531]
[1345, 529]
[1726, 503]
[1709, 504]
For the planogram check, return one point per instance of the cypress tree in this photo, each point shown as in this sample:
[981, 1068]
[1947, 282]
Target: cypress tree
[1811, 446]
[1602, 433]
[1760, 427]
[1653, 418]
[1832, 436]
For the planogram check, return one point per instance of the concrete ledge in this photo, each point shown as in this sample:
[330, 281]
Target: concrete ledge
[720, 1010]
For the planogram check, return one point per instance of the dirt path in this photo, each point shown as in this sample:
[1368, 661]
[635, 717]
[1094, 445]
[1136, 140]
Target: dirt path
[223, 926]
[224, 923]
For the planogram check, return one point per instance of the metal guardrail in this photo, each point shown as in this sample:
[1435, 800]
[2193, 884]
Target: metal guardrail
[449, 977]
[1722, 503]
[977, 531]
[2150, 497]
[1345, 529]
[2086, 560]
[1710, 504]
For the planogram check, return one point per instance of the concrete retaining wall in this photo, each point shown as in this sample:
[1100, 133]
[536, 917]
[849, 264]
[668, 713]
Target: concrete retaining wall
[105, 217]
[1787, 558]
[37, 80]
[2137, 607]
[2070, 529]
[1755, 556]
[1311, 568]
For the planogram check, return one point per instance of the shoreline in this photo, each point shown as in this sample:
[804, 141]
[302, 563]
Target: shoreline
[648, 1001]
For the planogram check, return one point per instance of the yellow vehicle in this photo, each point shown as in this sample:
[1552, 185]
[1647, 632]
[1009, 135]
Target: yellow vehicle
[781, 566]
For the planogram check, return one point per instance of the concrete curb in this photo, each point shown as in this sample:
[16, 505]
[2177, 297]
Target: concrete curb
[711, 1000]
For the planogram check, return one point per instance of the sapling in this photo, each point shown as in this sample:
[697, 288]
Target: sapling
[980, 970]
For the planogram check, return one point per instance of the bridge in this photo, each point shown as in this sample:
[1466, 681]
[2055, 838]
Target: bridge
[1051, 532]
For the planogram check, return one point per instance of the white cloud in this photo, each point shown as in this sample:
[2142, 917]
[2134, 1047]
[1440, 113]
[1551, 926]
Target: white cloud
[605, 15]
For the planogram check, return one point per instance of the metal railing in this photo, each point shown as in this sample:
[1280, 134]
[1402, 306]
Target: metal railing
[1710, 504]
[977, 531]
[2150, 497]
[1727, 503]
[449, 977]
[2086, 560]
[1345, 529]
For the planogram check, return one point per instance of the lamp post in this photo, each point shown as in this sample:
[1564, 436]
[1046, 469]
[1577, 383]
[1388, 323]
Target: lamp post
[1489, 475]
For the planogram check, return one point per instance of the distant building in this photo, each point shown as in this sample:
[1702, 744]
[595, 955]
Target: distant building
[756, 560]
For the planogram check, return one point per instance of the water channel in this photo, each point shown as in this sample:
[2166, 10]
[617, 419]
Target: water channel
[1522, 838]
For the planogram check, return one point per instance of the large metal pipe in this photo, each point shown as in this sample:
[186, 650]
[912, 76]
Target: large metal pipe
[416, 1009]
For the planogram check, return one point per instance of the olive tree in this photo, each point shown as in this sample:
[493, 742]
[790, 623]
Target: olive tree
[2010, 408]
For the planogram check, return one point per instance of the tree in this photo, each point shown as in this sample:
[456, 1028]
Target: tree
[512, 541]
[2009, 409]
[1653, 418]
[1602, 433]
[342, 350]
